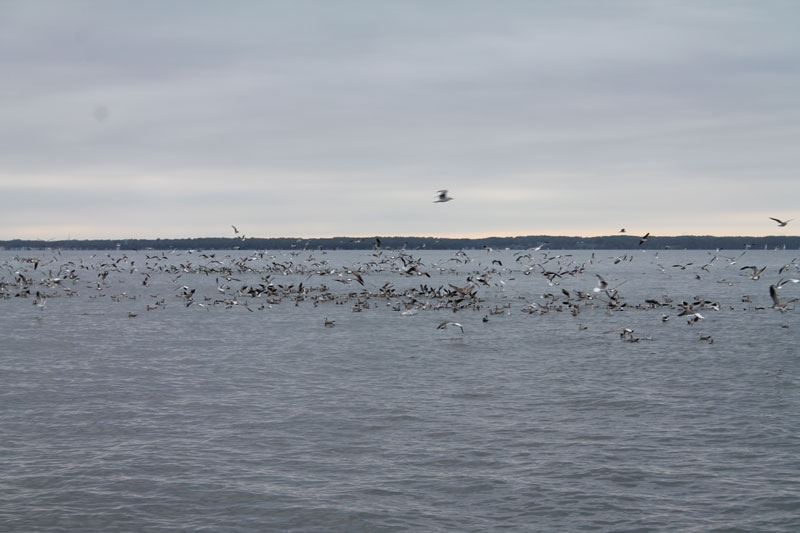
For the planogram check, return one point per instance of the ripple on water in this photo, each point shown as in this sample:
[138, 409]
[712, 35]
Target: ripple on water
[187, 419]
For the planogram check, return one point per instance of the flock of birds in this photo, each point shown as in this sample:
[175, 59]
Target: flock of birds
[535, 282]
[393, 279]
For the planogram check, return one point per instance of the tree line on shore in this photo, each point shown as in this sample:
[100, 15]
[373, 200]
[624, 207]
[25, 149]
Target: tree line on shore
[545, 242]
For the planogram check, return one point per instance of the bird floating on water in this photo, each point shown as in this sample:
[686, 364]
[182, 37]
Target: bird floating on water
[442, 197]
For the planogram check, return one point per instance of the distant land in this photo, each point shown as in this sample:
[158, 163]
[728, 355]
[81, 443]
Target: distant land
[547, 242]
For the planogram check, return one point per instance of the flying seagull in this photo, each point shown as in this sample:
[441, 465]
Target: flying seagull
[643, 239]
[776, 301]
[781, 223]
[444, 325]
[442, 197]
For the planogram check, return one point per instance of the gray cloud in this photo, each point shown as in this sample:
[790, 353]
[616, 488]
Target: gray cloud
[349, 115]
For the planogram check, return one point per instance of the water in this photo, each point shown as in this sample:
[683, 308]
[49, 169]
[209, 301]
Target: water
[253, 416]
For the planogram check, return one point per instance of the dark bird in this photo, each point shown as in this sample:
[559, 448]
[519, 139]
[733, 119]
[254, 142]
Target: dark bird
[643, 239]
[442, 197]
[781, 223]
[776, 302]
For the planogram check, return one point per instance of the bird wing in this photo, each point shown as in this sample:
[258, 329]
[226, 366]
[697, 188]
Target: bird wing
[774, 295]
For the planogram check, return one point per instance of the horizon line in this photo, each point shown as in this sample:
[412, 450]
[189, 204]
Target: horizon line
[373, 236]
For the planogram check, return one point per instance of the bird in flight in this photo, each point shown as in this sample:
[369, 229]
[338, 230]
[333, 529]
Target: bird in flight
[781, 223]
[444, 325]
[643, 239]
[442, 197]
[776, 301]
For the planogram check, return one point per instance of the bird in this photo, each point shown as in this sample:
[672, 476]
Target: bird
[776, 302]
[603, 284]
[442, 197]
[693, 318]
[444, 325]
[643, 239]
[624, 333]
[756, 271]
[622, 230]
[781, 223]
[329, 323]
[707, 338]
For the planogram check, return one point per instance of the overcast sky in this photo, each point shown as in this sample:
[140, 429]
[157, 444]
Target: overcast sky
[344, 118]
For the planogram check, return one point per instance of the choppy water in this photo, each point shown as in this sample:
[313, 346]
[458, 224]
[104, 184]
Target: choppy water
[252, 415]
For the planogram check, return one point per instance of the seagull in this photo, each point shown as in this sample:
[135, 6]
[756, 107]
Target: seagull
[603, 284]
[329, 323]
[444, 325]
[643, 239]
[781, 223]
[442, 197]
[624, 333]
[776, 302]
[708, 338]
[622, 230]
[756, 271]
[693, 318]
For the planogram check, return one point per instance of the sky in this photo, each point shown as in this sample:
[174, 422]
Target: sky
[176, 119]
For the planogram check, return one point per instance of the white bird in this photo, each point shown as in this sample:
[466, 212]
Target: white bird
[693, 318]
[603, 284]
[781, 223]
[444, 325]
[442, 197]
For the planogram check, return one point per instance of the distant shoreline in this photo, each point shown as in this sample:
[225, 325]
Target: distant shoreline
[546, 242]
